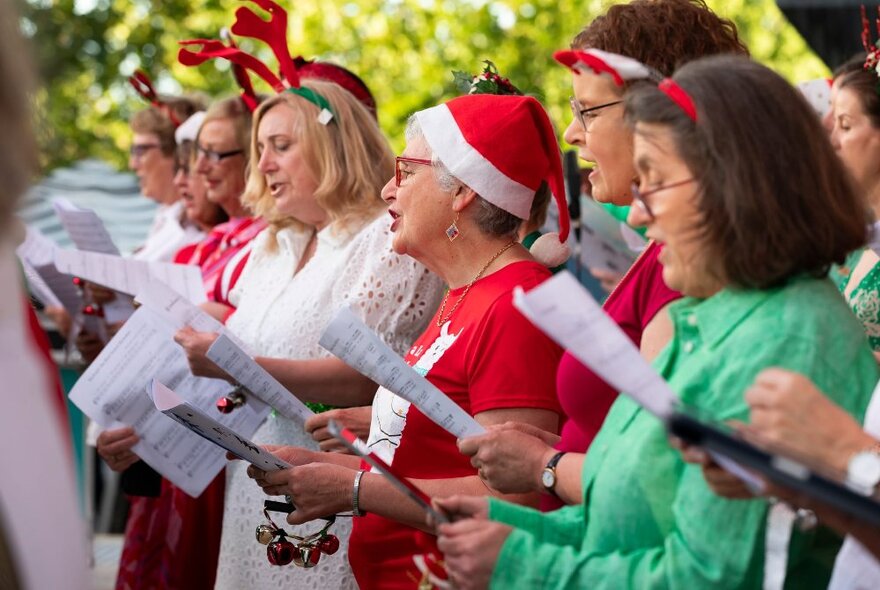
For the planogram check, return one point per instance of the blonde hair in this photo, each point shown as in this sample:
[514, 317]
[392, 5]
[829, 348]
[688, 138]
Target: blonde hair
[349, 156]
[234, 110]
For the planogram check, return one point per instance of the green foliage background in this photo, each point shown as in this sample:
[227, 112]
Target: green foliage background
[404, 49]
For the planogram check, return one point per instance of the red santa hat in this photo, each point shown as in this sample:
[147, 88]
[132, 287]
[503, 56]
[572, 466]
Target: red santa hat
[503, 147]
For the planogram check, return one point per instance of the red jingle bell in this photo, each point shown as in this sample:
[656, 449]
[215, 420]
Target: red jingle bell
[234, 400]
[281, 552]
[329, 544]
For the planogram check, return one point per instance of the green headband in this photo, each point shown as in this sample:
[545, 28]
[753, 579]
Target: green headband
[317, 100]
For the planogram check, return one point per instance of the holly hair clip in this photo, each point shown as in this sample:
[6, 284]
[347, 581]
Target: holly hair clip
[144, 86]
[489, 81]
[872, 60]
[305, 552]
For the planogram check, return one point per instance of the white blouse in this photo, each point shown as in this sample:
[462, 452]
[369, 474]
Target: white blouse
[169, 232]
[282, 315]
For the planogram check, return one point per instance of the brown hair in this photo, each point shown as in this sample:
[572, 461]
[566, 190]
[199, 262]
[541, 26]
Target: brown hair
[349, 157]
[865, 83]
[774, 200]
[18, 152]
[156, 121]
[662, 34]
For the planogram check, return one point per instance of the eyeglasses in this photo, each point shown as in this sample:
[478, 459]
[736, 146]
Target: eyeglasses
[581, 113]
[639, 197]
[215, 157]
[397, 171]
[139, 150]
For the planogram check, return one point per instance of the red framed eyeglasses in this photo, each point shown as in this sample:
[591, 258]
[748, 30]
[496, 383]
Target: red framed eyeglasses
[399, 159]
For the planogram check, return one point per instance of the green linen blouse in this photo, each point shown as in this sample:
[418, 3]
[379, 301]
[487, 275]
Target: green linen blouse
[649, 520]
[864, 298]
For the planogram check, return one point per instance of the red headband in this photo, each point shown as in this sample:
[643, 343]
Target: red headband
[144, 86]
[676, 93]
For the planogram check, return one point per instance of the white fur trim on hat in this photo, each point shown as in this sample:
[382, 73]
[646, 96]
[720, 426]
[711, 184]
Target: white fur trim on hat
[627, 67]
[189, 129]
[468, 165]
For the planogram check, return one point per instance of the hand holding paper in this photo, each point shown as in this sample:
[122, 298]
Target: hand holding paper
[360, 448]
[171, 404]
[243, 368]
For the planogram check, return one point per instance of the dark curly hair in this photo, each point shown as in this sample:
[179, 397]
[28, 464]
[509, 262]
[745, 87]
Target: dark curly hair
[774, 200]
[865, 83]
[662, 34]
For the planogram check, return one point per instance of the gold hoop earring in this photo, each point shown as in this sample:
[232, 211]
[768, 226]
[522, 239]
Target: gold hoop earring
[452, 232]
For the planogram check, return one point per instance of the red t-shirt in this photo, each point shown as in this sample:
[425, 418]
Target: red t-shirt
[584, 396]
[486, 357]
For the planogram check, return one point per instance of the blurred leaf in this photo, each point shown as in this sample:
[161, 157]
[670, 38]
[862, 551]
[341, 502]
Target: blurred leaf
[406, 50]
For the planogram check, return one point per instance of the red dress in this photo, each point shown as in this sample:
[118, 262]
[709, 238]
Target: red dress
[172, 541]
[488, 356]
[584, 396]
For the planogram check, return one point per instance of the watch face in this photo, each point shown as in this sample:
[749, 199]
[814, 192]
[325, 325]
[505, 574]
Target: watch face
[864, 470]
[548, 478]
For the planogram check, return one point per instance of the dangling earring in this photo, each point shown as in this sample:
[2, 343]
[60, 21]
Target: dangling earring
[452, 231]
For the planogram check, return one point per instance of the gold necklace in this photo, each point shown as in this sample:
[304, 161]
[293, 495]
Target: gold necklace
[440, 320]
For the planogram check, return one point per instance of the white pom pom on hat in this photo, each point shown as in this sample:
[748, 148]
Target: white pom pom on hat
[503, 147]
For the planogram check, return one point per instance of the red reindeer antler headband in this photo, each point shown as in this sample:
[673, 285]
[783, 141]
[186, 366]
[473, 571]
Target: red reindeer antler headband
[144, 86]
[272, 32]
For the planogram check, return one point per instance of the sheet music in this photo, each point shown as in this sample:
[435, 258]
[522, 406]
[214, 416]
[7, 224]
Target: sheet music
[38, 287]
[604, 245]
[131, 276]
[36, 248]
[568, 314]
[230, 357]
[175, 407]
[348, 338]
[111, 392]
[84, 227]
[176, 308]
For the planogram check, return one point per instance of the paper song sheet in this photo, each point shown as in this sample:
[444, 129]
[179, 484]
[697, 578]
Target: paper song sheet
[131, 276]
[568, 314]
[348, 338]
[85, 228]
[111, 392]
[605, 242]
[37, 254]
[175, 308]
[173, 406]
[230, 357]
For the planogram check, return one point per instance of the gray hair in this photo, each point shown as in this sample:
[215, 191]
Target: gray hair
[490, 219]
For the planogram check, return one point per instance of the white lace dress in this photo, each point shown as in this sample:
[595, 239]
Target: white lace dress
[283, 316]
